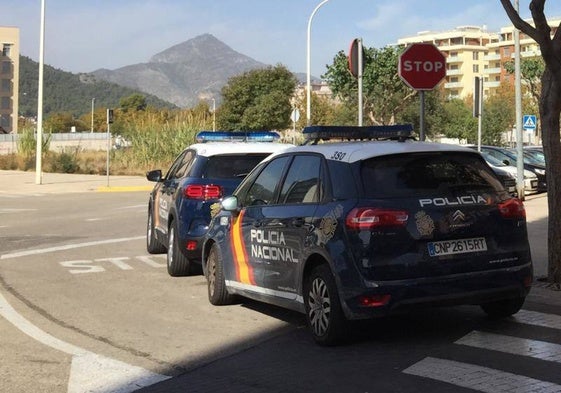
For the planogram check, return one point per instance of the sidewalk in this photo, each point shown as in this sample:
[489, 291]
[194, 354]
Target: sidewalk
[19, 182]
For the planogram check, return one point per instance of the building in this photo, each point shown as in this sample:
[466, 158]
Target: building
[9, 79]
[503, 50]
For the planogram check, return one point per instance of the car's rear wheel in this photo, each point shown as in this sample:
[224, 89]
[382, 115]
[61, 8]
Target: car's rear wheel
[503, 308]
[178, 264]
[153, 245]
[324, 314]
[217, 291]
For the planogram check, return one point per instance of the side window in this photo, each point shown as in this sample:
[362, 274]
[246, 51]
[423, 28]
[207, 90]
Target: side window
[262, 191]
[174, 168]
[302, 181]
[185, 164]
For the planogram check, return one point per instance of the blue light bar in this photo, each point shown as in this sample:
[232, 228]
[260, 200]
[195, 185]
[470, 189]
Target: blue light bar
[357, 132]
[230, 136]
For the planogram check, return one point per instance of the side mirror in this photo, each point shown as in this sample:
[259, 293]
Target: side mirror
[230, 204]
[155, 175]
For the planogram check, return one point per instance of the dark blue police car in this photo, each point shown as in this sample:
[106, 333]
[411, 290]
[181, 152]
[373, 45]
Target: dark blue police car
[182, 201]
[360, 229]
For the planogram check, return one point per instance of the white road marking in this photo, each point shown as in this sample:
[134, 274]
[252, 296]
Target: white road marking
[478, 378]
[67, 247]
[6, 210]
[538, 319]
[514, 345]
[89, 371]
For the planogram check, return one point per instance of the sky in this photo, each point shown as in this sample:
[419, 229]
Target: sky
[83, 36]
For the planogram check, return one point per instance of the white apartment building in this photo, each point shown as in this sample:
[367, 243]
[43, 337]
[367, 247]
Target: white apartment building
[9, 79]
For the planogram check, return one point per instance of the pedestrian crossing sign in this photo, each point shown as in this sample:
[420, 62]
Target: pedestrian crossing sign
[529, 122]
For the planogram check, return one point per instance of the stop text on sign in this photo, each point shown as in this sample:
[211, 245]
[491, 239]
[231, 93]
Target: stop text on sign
[426, 66]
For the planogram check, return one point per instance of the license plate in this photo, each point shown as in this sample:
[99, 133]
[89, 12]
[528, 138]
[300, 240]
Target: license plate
[534, 183]
[459, 246]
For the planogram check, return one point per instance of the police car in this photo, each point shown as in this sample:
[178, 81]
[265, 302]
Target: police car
[360, 229]
[182, 201]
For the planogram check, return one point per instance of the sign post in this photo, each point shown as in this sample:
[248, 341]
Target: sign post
[422, 66]
[356, 66]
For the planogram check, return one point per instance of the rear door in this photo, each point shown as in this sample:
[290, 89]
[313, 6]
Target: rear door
[277, 213]
[165, 196]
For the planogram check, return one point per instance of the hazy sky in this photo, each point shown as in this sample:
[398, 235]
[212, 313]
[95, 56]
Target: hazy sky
[82, 36]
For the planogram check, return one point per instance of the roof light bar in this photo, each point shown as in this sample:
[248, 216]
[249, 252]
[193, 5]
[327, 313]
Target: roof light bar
[357, 132]
[246, 136]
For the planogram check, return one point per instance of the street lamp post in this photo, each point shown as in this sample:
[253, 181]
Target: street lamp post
[93, 106]
[213, 114]
[308, 68]
[39, 152]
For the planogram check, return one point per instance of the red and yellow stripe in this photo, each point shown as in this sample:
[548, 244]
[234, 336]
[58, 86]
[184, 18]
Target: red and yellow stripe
[244, 272]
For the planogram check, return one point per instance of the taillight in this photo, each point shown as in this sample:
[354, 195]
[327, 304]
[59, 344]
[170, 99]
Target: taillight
[512, 208]
[203, 191]
[374, 300]
[365, 218]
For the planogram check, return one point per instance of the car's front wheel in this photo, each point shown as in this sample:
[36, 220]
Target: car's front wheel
[324, 314]
[503, 308]
[153, 245]
[217, 292]
[178, 264]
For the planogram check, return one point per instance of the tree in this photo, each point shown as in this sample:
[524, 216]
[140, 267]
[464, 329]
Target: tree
[550, 110]
[134, 102]
[385, 95]
[531, 71]
[257, 100]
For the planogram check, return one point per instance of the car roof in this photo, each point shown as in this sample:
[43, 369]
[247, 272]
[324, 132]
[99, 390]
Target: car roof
[219, 148]
[356, 151]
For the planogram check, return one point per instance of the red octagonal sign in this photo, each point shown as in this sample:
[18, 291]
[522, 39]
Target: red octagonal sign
[422, 66]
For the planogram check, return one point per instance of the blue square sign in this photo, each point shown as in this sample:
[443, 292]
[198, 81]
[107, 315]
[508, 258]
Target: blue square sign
[529, 122]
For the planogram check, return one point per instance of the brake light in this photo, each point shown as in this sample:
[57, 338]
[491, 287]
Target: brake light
[365, 218]
[203, 191]
[512, 208]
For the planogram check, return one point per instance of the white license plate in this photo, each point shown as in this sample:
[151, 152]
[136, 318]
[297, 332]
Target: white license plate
[460, 246]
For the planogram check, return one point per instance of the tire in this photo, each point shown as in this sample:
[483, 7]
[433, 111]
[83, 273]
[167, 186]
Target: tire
[217, 292]
[503, 308]
[153, 245]
[178, 264]
[324, 313]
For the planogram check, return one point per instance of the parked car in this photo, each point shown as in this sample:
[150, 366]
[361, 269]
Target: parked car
[182, 202]
[509, 157]
[530, 179]
[369, 227]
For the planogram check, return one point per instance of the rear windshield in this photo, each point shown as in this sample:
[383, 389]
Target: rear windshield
[427, 173]
[232, 165]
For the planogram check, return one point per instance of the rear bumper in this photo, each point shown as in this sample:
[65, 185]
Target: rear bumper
[467, 288]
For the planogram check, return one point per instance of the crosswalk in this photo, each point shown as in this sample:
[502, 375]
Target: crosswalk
[471, 374]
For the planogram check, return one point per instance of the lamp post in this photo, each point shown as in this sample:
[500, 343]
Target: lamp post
[39, 153]
[308, 68]
[93, 106]
[213, 114]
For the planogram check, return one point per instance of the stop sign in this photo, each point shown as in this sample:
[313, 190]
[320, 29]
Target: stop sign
[422, 66]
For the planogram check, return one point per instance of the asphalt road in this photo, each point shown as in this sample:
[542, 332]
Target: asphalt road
[85, 308]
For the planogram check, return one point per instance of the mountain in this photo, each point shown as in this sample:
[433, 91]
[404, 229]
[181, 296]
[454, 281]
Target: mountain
[186, 73]
[67, 92]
